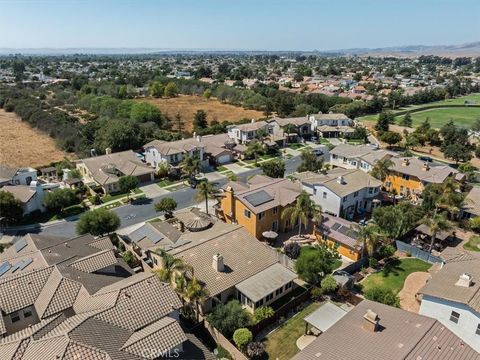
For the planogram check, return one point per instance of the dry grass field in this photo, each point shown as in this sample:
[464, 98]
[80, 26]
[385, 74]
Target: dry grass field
[187, 106]
[21, 145]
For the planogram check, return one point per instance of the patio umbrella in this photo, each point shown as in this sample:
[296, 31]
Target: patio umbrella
[270, 235]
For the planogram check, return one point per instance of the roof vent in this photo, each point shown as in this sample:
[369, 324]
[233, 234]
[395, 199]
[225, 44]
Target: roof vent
[108, 151]
[464, 280]
[425, 167]
[405, 162]
[341, 180]
[370, 322]
[253, 121]
[217, 263]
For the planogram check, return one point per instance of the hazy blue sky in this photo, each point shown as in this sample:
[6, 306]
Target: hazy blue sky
[237, 24]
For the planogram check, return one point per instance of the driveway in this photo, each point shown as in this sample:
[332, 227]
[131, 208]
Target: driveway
[335, 141]
[153, 190]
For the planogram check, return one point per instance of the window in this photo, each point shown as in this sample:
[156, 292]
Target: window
[247, 213]
[27, 312]
[370, 190]
[324, 195]
[354, 163]
[355, 194]
[345, 198]
[275, 225]
[275, 210]
[14, 317]
[261, 215]
[454, 316]
[406, 177]
[478, 330]
[269, 297]
[314, 191]
[288, 285]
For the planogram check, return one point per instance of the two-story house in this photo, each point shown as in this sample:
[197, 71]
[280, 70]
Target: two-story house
[342, 192]
[105, 171]
[17, 176]
[293, 129]
[244, 133]
[30, 196]
[408, 176]
[331, 125]
[259, 204]
[452, 296]
[363, 157]
[173, 152]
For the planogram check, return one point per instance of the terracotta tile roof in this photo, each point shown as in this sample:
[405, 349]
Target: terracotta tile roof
[175, 147]
[77, 351]
[415, 167]
[21, 192]
[95, 262]
[402, 335]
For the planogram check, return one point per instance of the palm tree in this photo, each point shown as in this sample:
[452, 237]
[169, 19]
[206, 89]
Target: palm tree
[206, 190]
[254, 149]
[451, 198]
[191, 165]
[436, 223]
[303, 210]
[195, 294]
[368, 237]
[171, 268]
[382, 169]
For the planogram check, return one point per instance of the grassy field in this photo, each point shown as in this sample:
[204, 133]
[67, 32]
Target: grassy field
[473, 244]
[187, 106]
[21, 145]
[281, 344]
[438, 117]
[394, 274]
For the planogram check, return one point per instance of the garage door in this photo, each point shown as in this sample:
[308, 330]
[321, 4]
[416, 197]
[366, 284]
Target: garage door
[223, 159]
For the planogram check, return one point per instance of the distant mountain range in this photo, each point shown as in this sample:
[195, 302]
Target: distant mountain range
[468, 49]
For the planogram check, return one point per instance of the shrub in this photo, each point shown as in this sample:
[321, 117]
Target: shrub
[131, 259]
[317, 293]
[241, 337]
[382, 295]
[328, 284]
[292, 250]
[262, 313]
[95, 199]
[386, 251]
[475, 224]
[255, 349]
[166, 205]
[229, 317]
[314, 261]
[222, 353]
[372, 262]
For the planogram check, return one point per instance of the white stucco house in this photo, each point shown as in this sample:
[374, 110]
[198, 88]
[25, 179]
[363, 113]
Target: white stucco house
[243, 133]
[452, 296]
[342, 192]
[31, 196]
[173, 152]
[363, 157]
[17, 176]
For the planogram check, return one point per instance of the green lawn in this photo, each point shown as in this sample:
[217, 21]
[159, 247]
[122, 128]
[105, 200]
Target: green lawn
[281, 344]
[50, 216]
[166, 182]
[394, 274]
[221, 168]
[473, 244]
[464, 117]
[110, 197]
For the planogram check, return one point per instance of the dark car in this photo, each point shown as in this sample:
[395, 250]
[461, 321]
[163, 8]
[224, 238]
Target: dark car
[426, 158]
[318, 152]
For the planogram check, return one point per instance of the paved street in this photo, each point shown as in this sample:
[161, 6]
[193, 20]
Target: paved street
[144, 209]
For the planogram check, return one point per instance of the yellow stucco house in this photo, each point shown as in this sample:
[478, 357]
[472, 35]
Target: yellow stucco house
[259, 204]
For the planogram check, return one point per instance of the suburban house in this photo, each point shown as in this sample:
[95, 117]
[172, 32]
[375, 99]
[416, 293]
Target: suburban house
[244, 133]
[452, 296]
[258, 205]
[231, 263]
[363, 157]
[219, 148]
[471, 208]
[62, 299]
[31, 196]
[173, 152]
[342, 192]
[292, 129]
[331, 125]
[409, 175]
[375, 331]
[340, 233]
[104, 171]
[17, 176]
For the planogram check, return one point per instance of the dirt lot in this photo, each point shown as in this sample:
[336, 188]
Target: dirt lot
[20, 145]
[187, 106]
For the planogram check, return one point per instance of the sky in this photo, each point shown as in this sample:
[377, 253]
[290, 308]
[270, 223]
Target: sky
[237, 24]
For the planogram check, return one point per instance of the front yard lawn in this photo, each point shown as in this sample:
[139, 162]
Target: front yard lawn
[473, 244]
[50, 216]
[281, 344]
[393, 275]
[116, 196]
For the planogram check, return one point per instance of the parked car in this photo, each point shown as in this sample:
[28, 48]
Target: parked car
[318, 152]
[426, 158]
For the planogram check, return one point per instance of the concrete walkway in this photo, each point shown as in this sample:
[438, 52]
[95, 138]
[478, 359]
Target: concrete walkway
[412, 285]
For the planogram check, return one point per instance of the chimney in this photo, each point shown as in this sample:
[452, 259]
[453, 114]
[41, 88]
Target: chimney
[199, 138]
[217, 263]
[341, 180]
[253, 121]
[405, 162]
[370, 321]
[93, 152]
[464, 280]
[108, 151]
[425, 167]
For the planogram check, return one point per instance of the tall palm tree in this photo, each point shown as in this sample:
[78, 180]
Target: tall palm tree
[206, 190]
[436, 223]
[195, 294]
[382, 169]
[303, 210]
[171, 268]
[254, 149]
[451, 198]
[191, 165]
[368, 237]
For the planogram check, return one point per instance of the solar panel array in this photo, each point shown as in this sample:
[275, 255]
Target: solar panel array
[146, 232]
[336, 226]
[20, 244]
[4, 267]
[22, 264]
[259, 198]
[348, 232]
